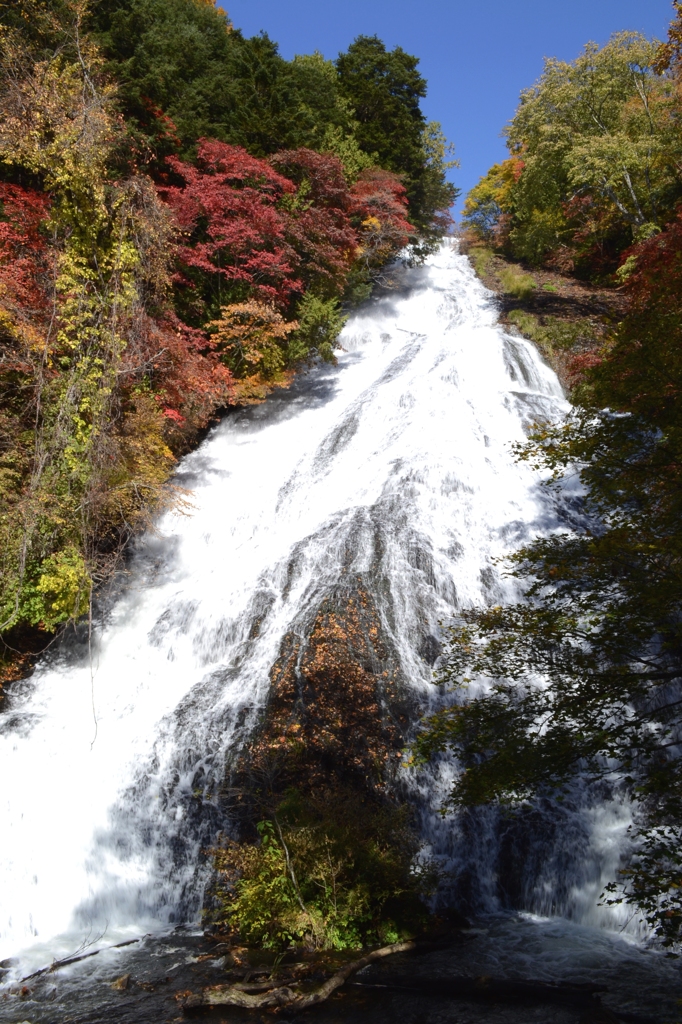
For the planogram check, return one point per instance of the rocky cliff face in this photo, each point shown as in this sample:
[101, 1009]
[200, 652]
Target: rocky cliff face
[338, 713]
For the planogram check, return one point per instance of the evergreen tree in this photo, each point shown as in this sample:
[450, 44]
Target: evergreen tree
[183, 60]
[384, 88]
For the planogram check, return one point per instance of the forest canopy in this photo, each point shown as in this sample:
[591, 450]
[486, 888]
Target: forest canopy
[595, 164]
[185, 218]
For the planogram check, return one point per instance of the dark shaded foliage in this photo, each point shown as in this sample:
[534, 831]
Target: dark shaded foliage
[585, 675]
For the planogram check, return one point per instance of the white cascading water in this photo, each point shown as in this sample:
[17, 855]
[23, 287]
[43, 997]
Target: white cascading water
[395, 464]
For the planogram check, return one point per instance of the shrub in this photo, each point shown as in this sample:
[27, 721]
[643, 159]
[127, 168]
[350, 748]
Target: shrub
[481, 258]
[251, 338]
[331, 872]
[61, 591]
[554, 333]
[529, 325]
[320, 323]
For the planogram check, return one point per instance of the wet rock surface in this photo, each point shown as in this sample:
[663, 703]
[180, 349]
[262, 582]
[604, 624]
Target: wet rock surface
[338, 711]
[640, 987]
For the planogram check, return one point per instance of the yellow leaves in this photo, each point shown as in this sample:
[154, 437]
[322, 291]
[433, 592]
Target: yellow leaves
[63, 588]
[602, 127]
[143, 446]
[133, 485]
[85, 476]
[54, 122]
[372, 224]
[19, 328]
[495, 187]
[255, 389]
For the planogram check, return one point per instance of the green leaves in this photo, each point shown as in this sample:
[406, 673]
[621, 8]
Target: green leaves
[597, 152]
[62, 591]
[319, 324]
[332, 872]
[383, 88]
[583, 676]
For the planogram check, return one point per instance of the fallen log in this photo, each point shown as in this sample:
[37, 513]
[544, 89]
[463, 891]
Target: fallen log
[271, 994]
[241, 994]
[67, 961]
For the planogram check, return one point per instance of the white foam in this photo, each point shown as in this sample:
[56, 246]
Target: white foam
[395, 463]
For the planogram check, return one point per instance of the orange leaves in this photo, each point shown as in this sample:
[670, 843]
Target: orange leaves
[669, 56]
[333, 715]
[250, 335]
[251, 338]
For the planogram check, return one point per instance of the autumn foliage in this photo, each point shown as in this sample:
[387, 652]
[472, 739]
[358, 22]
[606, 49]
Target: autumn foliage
[231, 229]
[317, 219]
[316, 782]
[251, 338]
[642, 369]
[380, 207]
[142, 292]
[23, 248]
[595, 155]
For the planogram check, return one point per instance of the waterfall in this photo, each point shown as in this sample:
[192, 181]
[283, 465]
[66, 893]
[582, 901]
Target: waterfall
[394, 465]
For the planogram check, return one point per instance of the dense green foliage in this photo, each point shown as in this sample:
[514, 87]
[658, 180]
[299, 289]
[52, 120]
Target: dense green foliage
[583, 676]
[595, 163]
[181, 59]
[329, 872]
[183, 215]
[383, 89]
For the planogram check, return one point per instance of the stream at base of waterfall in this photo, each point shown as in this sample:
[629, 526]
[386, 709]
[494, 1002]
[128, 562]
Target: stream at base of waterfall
[392, 468]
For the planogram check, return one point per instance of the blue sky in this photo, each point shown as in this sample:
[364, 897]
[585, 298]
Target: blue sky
[476, 56]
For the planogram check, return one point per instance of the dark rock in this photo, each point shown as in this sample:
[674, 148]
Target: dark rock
[430, 649]
[599, 1015]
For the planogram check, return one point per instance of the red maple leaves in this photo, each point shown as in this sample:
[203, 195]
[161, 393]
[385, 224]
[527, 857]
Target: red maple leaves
[226, 210]
[23, 246]
[281, 226]
[245, 228]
